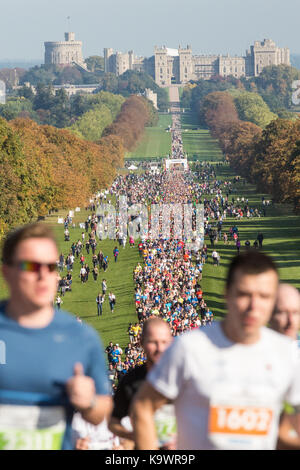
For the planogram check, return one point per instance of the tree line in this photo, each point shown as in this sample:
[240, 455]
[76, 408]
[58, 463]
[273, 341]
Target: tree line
[268, 155]
[45, 168]
[274, 85]
[56, 108]
[55, 74]
[45, 105]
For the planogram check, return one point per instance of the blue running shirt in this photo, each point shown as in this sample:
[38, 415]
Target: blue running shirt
[35, 412]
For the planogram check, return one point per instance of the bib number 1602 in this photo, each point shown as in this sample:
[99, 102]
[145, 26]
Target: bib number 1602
[235, 420]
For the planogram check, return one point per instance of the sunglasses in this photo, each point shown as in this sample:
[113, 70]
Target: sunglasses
[33, 267]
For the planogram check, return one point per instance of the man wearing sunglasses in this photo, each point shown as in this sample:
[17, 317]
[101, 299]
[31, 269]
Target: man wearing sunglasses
[53, 365]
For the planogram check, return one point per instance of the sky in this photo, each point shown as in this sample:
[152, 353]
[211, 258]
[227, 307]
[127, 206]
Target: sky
[209, 26]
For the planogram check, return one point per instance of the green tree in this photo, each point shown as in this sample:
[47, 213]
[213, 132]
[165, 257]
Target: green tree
[91, 124]
[15, 107]
[275, 85]
[68, 75]
[112, 101]
[252, 108]
[79, 105]
[60, 109]
[44, 97]
[109, 82]
[95, 63]
[26, 92]
[39, 75]
[193, 97]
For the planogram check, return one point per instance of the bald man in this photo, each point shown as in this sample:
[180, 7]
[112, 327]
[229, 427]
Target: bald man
[155, 339]
[286, 315]
[286, 320]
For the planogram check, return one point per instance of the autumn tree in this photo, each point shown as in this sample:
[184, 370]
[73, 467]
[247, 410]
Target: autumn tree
[275, 151]
[237, 141]
[129, 124]
[216, 109]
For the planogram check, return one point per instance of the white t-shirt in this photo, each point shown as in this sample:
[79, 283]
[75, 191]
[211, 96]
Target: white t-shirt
[228, 395]
[100, 437]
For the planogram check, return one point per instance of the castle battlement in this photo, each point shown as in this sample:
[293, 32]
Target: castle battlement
[64, 52]
[169, 66]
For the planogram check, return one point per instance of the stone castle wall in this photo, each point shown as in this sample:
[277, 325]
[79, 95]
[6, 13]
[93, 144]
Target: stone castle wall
[169, 66]
[64, 52]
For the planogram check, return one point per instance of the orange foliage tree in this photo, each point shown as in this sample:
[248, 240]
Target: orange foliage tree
[270, 157]
[130, 123]
[45, 168]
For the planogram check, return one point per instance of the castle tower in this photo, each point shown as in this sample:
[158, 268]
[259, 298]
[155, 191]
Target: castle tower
[64, 52]
[107, 53]
[185, 64]
[267, 53]
[118, 62]
[166, 65]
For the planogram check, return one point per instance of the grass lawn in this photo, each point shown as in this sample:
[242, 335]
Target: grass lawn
[156, 142]
[281, 230]
[198, 142]
[180, 91]
[167, 92]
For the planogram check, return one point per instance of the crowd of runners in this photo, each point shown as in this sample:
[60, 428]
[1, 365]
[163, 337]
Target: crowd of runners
[225, 381]
[169, 276]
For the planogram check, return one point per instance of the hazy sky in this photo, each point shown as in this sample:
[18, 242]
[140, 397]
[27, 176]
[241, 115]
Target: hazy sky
[210, 26]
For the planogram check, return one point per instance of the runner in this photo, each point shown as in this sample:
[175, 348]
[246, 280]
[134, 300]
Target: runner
[286, 315]
[48, 351]
[87, 436]
[228, 380]
[156, 337]
[286, 320]
[99, 301]
[112, 301]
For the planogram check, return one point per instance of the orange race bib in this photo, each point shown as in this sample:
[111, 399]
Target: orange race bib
[238, 420]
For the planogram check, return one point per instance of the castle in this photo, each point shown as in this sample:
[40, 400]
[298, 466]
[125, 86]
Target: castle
[67, 52]
[169, 66]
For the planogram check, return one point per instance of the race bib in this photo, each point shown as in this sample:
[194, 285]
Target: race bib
[241, 424]
[165, 424]
[31, 427]
[237, 420]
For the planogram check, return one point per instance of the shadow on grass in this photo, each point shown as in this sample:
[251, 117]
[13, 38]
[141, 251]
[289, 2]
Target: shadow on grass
[218, 296]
